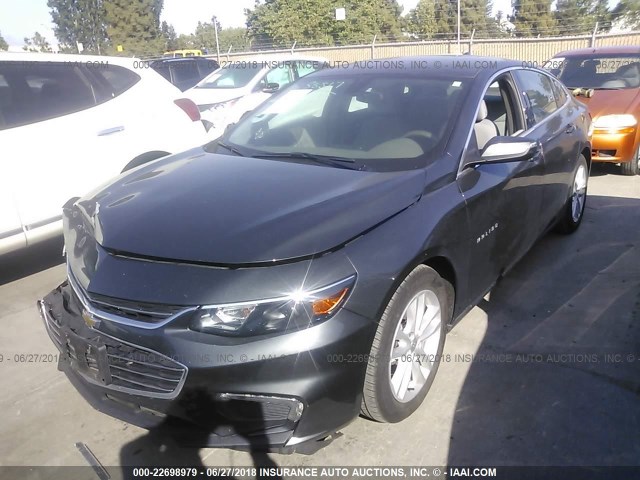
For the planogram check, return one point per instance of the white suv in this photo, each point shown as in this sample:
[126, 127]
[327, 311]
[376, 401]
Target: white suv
[243, 84]
[68, 123]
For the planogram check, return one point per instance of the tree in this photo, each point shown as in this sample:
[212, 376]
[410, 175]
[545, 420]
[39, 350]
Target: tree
[572, 17]
[80, 21]
[205, 38]
[185, 42]
[236, 38]
[446, 18]
[629, 11]
[580, 16]
[135, 24]
[533, 18]
[37, 43]
[602, 14]
[440, 19]
[475, 15]
[279, 23]
[421, 20]
[3, 43]
[169, 36]
[366, 18]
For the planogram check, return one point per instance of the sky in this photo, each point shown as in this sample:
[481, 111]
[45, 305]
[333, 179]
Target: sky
[21, 18]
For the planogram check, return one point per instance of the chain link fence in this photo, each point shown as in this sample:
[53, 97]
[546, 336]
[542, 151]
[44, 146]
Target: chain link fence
[526, 49]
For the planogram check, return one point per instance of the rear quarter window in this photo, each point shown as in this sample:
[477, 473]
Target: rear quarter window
[117, 79]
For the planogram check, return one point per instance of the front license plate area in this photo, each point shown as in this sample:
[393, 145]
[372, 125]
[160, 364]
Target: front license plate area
[87, 357]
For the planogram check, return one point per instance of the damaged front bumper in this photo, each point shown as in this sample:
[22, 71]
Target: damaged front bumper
[167, 379]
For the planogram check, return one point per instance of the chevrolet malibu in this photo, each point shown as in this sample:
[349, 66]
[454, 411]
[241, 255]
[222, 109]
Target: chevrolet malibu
[264, 290]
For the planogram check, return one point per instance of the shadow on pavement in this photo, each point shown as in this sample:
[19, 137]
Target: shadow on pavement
[33, 259]
[173, 444]
[601, 169]
[556, 380]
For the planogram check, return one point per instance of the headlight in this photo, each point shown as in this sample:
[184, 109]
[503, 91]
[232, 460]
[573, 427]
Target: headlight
[217, 106]
[614, 122]
[295, 311]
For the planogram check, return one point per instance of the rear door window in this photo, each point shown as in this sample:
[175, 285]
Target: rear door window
[32, 92]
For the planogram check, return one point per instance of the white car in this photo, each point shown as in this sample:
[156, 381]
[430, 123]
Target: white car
[68, 123]
[241, 85]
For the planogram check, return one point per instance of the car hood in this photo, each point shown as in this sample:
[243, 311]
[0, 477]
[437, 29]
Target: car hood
[227, 210]
[606, 102]
[206, 96]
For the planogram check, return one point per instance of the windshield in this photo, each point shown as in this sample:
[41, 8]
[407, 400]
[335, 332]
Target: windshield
[382, 122]
[599, 72]
[232, 76]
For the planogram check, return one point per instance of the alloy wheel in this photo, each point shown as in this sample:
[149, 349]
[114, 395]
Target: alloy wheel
[415, 345]
[579, 193]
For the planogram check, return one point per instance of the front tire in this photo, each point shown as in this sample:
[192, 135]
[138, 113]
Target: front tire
[407, 347]
[573, 211]
[632, 167]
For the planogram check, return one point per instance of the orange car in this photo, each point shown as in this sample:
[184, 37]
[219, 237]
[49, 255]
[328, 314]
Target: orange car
[607, 80]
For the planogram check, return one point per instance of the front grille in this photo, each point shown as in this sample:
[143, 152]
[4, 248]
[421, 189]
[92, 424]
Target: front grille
[120, 309]
[138, 311]
[137, 369]
[126, 368]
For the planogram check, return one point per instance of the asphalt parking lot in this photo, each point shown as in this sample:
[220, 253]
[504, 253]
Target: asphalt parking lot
[546, 371]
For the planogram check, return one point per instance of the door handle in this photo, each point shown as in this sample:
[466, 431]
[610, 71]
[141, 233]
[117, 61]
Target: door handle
[110, 131]
[570, 128]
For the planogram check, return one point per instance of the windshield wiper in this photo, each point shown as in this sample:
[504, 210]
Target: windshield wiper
[231, 149]
[339, 162]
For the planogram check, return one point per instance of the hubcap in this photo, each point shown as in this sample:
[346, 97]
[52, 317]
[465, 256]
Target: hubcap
[415, 346]
[579, 193]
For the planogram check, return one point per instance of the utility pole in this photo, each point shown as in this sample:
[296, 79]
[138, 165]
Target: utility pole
[215, 29]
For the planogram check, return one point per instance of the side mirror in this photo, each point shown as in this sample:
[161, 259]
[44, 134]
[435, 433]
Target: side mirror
[271, 88]
[509, 149]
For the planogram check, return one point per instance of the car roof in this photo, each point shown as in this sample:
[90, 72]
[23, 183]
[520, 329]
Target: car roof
[448, 66]
[270, 58]
[64, 57]
[194, 58]
[619, 50]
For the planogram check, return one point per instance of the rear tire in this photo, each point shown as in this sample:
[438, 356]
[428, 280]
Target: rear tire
[573, 210]
[407, 348]
[632, 167]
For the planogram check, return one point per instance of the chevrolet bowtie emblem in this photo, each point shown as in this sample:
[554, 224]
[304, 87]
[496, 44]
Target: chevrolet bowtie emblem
[90, 320]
